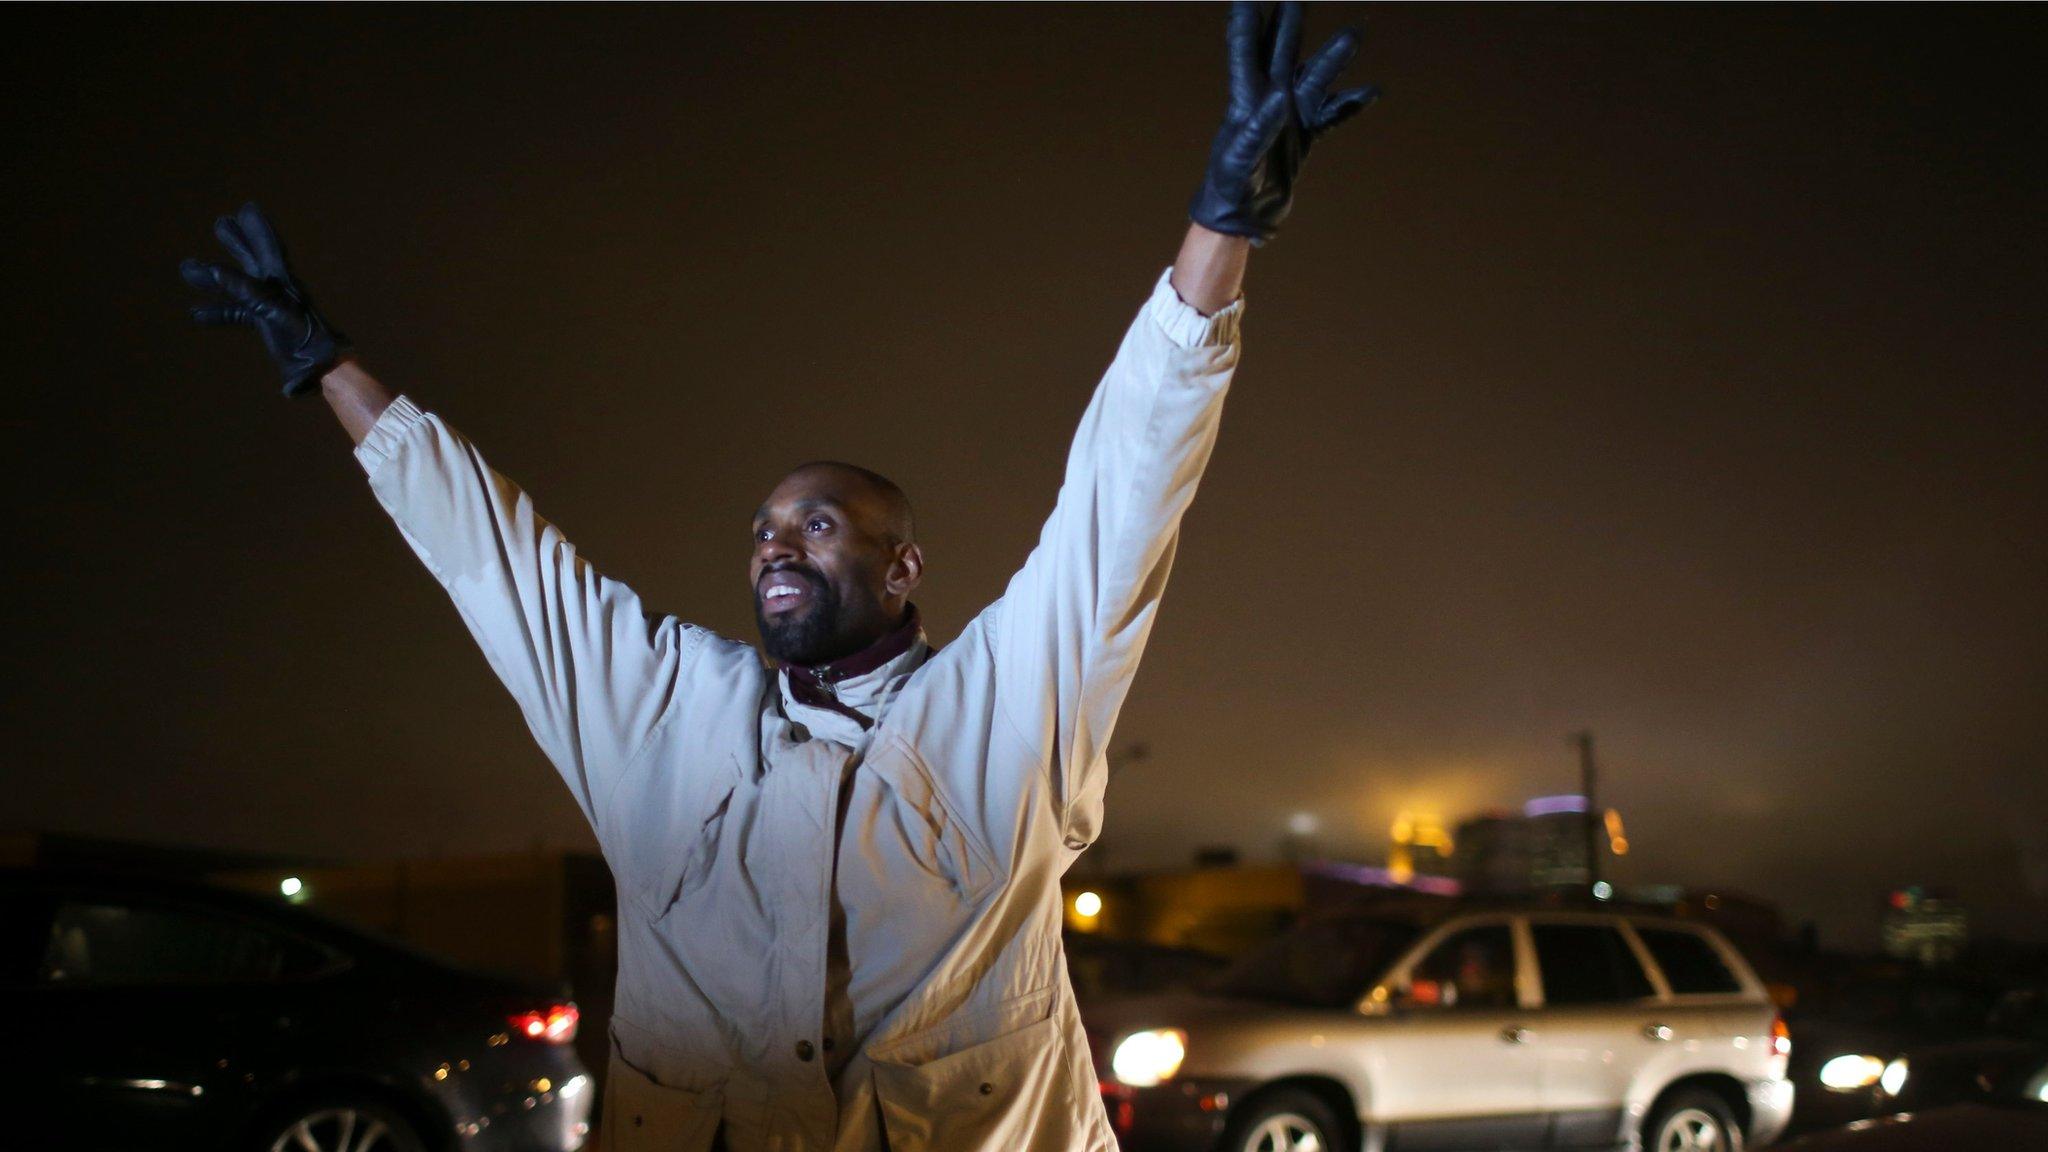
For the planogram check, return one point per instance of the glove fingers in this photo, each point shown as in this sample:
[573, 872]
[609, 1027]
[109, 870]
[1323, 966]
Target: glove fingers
[1243, 37]
[1285, 40]
[1264, 127]
[200, 275]
[263, 241]
[210, 277]
[230, 236]
[1343, 106]
[214, 315]
[1317, 75]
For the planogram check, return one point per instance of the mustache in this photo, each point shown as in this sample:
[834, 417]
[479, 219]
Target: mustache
[812, 576]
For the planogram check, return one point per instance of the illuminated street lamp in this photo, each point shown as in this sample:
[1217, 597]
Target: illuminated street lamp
[1084, 910]
[1617, 837]
[293, 888]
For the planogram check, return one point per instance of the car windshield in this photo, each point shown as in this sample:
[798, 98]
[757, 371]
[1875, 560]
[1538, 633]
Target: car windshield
[1319, 964]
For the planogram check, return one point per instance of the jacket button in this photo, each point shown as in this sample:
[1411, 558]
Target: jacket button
[987, 1088]
[804, 1051]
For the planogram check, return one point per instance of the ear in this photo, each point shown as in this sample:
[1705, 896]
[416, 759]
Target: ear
[905, 571]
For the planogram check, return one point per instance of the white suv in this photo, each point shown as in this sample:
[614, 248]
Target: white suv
[1498, 1029]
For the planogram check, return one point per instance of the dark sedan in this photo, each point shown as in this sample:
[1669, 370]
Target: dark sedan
[1846, 1031]
[2004, 1089]
[147, 1014]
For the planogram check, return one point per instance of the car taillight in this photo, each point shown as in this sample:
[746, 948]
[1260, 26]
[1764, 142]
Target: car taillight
[555, 1024]
[1781, 1037]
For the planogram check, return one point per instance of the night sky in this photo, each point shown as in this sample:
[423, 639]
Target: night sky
[1674, 372]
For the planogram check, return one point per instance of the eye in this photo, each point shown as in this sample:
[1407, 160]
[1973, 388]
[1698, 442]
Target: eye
[761, 534]
[817, 524]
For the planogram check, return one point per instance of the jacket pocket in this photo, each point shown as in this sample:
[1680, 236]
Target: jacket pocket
[1001, 1095]
[642, 1115]
[936, 835]
[689, 868]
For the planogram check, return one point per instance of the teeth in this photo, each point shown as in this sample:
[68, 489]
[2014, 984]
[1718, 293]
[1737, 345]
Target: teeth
[781, 590]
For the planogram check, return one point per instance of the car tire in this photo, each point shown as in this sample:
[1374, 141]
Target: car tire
[1285, 1120]
[339, 1124]
[1692, 1120]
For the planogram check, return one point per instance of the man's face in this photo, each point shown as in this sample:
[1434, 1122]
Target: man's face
[828, 578]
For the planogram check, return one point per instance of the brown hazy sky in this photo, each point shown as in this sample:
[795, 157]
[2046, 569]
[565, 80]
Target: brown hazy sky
[1673, 372]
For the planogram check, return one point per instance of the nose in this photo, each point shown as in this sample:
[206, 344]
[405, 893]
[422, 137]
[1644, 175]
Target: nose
[774, 550]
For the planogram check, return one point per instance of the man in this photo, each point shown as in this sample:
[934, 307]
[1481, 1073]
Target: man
[839, 902]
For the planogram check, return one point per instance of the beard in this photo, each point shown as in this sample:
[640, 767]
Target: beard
[809, 636]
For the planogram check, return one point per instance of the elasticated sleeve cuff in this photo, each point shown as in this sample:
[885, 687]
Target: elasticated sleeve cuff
[397, 419]
[1187, 327]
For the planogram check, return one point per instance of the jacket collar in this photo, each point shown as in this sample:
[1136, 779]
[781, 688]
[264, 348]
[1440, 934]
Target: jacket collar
[843, 685]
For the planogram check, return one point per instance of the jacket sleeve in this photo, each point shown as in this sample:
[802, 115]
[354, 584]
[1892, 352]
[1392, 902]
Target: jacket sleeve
[1073, 622]
[590, 667]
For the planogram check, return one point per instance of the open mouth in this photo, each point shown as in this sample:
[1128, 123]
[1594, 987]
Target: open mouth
[784, 592]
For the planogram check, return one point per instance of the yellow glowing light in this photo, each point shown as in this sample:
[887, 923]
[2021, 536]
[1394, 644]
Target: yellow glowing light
[1620, 845]
[1424, 830]
[291, 886]
[1088, 905]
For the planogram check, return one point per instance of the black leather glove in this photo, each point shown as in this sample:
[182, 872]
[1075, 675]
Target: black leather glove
[265, 297]
[1277, 109]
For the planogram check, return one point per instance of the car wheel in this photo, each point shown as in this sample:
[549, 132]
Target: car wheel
[1288, 1120]
[1694, 1120]
[340, 1125]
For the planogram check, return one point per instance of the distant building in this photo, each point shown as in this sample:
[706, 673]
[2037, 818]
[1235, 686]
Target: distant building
[1926, 928]
[1542, 848]
[1419, 847]
[1226, 908]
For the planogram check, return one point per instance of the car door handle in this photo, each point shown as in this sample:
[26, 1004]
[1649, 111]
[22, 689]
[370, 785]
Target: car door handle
[1515, 1034]
[1658, 1032]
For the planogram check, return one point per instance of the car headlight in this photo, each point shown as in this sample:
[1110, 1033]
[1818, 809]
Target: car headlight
[1894, 1077]
[1143, 1059]
[1847, 1073]
[2037, 1087]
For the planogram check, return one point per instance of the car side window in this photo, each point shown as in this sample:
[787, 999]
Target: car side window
[95, 943]
[1473, 969]
[1689, 960]
[1587, 964]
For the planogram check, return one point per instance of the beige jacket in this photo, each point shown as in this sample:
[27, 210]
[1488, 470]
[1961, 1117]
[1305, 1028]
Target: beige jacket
[715, 794]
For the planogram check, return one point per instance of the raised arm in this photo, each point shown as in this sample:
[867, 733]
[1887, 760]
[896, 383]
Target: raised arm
[1074, 621]
[355, 396]
[590, 667]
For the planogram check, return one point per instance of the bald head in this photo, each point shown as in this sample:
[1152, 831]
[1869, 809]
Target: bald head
[876, 494]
